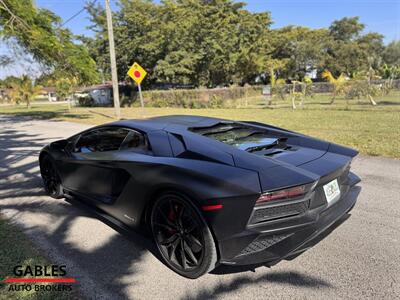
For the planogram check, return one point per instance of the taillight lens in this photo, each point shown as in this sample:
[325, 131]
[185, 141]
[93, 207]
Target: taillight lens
[289, 193]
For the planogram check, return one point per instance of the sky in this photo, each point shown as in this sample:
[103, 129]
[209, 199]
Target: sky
[382, 16]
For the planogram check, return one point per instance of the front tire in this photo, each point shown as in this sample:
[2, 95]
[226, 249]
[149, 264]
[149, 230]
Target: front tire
[182, 236]
[51, 179]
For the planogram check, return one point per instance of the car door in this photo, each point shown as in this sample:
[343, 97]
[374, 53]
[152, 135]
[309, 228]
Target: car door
[90, 170]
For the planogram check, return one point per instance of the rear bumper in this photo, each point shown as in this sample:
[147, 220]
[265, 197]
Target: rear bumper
[270, 243]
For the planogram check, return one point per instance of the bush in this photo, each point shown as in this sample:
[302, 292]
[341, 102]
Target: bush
[279, 89]
[357, 89]
[199, 98]
[128, 101]
[85, 101]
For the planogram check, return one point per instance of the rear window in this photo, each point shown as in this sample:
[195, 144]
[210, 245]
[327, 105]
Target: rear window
[244, 137]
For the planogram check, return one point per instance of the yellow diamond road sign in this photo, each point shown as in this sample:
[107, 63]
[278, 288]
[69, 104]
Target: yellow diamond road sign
[137, 73]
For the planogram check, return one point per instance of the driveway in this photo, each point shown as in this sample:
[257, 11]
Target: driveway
[360, 259]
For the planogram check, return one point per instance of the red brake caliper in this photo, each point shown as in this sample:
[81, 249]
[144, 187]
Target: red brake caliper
[172, 218]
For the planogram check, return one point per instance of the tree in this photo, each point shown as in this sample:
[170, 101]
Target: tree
[219, 43]
[346, 29]
[65, 88]
[390, 73]
[5, 60]
[339, 83]
[303, 49]
[391, 54]
[348, 50]
[9, 81]
[38, 31]
[24, 90]
[273, 68]
[198, 42]
[363, 82]
[305, 89]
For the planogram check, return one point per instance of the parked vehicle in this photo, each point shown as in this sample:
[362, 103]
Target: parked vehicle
[208, 191]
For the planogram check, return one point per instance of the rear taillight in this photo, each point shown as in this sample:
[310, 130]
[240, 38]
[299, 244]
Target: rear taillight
[285, 194]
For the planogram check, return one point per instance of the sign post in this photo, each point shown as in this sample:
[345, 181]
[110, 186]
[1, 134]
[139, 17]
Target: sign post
[140, 96]
[267, 94]
[114, 75]
[137, 73]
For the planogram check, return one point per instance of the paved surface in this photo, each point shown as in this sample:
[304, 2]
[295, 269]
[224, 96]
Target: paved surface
[361, 259]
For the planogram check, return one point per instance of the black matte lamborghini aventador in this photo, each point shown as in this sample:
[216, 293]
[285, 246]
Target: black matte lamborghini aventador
[209, 191]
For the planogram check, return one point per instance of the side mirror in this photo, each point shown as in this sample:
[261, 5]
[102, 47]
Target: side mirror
[59, 145]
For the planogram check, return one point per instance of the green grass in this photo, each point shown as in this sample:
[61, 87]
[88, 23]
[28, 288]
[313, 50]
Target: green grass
[373, 130]
[15, 250]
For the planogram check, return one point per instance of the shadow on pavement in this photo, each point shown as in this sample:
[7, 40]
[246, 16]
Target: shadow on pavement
[21, 192]
[282, 278]
[28, 115]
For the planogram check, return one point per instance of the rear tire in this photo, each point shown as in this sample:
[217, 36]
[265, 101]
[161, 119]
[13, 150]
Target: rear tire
[182, 236]
[51, 179]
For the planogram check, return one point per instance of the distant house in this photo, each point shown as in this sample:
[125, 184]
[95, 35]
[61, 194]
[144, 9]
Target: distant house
[99, 95]
[5, 94]
[312, 73]
[48, 92]
[96, 95]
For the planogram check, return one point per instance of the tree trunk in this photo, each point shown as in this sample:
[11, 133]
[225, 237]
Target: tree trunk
[333, 98]
[371, 100]
[72, 99]
[294, 95]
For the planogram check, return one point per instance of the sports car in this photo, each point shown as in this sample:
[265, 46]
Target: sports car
[208, 191]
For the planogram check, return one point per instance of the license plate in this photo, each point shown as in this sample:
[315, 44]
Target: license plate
[332, 190]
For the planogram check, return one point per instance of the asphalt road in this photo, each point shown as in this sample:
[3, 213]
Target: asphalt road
[360, 259]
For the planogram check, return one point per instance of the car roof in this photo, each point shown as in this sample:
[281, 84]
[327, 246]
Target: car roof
[174, 122]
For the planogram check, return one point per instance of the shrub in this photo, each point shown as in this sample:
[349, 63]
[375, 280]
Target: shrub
[199, 98]
[357, 89]
[279, 89]
[85, 101]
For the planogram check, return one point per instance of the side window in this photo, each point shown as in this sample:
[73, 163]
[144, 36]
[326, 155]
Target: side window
[101, 140]
[135, 141]
[87, 142]
[111, 139]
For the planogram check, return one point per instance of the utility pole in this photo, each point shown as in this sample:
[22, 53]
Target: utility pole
[114, 76]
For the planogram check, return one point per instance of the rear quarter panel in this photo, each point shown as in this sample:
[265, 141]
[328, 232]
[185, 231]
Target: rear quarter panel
[205, 183]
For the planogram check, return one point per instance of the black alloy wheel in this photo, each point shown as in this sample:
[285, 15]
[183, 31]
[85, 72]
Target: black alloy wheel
[182, 236]
[51, 180]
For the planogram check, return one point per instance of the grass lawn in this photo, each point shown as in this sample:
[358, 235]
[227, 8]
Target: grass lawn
[373, 130]
[15, 250]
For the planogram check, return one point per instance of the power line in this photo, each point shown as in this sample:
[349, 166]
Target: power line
[76, 14]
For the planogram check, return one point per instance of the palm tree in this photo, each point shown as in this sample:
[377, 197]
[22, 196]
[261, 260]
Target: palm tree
[367, 88]
[339, 83]
[65, 88]
[390, 73]
[24, 90]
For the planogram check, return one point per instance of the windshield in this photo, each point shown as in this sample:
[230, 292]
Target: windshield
[238, 135]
